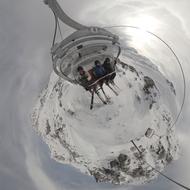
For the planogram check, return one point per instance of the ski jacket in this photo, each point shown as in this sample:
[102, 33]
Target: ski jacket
[108, 67]
[99, 71]
[85, 77]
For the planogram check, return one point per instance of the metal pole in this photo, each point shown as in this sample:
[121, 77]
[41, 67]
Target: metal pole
[56, 8]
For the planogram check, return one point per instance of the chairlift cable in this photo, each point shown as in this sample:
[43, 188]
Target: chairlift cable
[55, 30]
[169, 178]
[60, 30]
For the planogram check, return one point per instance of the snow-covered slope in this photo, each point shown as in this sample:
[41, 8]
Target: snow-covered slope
[98, 141]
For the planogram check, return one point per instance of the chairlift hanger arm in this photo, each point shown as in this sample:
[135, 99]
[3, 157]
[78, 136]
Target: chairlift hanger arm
[56, 8]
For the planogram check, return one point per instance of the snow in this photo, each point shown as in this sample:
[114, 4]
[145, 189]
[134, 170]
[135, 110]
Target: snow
[94, 140]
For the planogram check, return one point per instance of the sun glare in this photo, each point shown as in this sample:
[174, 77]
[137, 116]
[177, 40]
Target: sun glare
[145, 23]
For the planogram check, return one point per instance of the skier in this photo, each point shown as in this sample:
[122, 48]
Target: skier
[98, 70]
[84, 77]
[109, 68]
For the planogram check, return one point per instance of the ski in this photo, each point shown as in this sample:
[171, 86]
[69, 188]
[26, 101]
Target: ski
[100, 97]
[114, 91]
[107, 98]
[92, 100]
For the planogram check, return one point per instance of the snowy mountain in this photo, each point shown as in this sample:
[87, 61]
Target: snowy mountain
[98, 141]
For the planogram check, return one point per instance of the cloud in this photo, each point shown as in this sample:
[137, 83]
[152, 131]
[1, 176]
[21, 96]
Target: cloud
[37, 174]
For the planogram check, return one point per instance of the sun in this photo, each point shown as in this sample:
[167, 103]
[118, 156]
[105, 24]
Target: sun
[140, 36]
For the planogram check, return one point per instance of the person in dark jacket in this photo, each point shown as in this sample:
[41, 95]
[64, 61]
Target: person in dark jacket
[99, 70]
[109, 68]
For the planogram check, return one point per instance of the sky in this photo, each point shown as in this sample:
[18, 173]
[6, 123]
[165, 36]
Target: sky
[26, 29]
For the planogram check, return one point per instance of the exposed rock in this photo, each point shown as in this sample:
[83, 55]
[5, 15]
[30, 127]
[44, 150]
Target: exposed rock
[114, 163]
[169, 157]
[138, 172]
[171, 86]
[48, 127]
[149, 83]
[122, 158]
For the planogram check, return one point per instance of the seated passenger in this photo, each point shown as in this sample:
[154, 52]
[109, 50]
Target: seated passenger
[84, 77]
[98, 70]
[109, 68]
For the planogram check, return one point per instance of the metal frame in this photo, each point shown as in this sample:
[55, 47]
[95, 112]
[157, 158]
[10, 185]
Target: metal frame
[92, 35]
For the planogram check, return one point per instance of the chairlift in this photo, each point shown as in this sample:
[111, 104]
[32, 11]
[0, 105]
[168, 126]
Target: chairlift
[82, 48]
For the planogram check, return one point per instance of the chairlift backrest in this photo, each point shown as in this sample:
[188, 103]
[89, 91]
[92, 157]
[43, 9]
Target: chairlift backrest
[82, 48]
